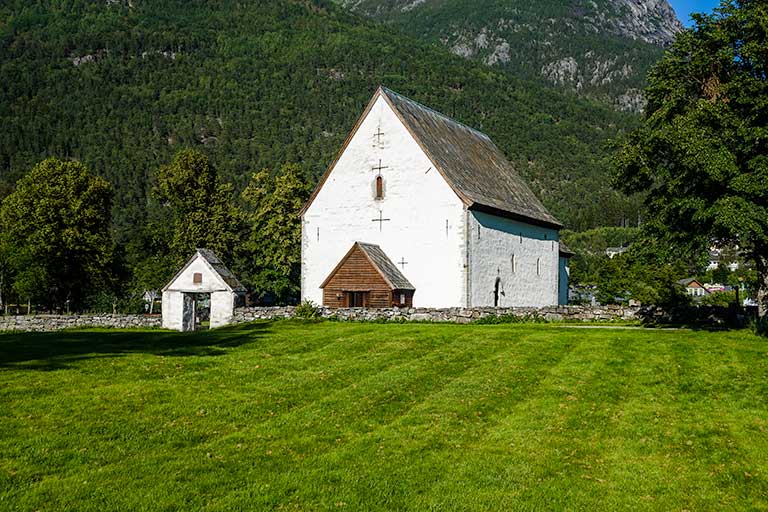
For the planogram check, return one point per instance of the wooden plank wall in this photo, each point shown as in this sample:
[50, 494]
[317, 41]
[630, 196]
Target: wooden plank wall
[358, 274]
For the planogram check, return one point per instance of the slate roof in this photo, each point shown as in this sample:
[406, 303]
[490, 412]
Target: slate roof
[565, 251]
[220, 269]
[388, 270]
[470, 162]
[689, 281]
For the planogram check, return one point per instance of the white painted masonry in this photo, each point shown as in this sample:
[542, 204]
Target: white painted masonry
[417, 201]
[223, 297]
[494, 242]
[424, 223]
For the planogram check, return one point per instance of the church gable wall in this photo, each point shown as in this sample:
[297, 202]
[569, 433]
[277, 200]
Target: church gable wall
[523, 258]
[419, 223]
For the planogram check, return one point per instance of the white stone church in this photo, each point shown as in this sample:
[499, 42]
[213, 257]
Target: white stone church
[419, 209]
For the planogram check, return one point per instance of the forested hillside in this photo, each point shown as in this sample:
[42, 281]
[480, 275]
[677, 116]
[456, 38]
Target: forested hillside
[598, 48]
[124, 85]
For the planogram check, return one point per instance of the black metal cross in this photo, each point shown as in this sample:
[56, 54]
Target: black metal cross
[380, 167]
[378, 134]
[402, 263]
[381, 220]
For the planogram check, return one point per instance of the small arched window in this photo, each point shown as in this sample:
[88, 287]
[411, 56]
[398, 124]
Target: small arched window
[379, 187]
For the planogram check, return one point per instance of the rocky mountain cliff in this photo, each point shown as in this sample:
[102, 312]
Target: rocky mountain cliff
[598, 48]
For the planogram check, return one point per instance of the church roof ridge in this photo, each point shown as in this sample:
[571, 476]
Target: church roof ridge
[437, 113]
[470, 162]
[468, 159]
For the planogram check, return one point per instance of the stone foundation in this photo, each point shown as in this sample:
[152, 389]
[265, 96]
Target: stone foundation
[39, 323]
[453, 315]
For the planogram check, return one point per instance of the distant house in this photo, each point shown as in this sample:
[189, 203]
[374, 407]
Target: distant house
[714, 259]
[612, 252]
[693, 287]
[719, 257]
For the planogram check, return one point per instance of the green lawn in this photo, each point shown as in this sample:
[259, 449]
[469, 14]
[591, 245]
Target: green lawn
[323, 416]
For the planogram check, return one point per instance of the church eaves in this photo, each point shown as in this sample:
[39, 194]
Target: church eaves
[471, 163]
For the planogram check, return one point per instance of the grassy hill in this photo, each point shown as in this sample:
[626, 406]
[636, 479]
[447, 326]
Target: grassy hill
[327, 416]
[124, 85]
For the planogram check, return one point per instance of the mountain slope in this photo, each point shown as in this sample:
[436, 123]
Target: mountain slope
[123, 85]
[600, 48]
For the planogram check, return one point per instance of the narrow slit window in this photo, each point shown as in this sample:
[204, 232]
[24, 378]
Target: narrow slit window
[379, 187]
[513, 263]
[538, 266]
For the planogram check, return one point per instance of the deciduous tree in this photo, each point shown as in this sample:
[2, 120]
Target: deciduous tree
[56, 233]
[274, 245]
[203, 211]
[702, 151]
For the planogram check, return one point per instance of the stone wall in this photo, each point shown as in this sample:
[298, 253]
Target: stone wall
[455, 315]
[58, 322]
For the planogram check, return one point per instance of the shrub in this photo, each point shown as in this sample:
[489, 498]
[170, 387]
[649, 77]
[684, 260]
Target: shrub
[510, 319]
[307, 310]
[718, 299]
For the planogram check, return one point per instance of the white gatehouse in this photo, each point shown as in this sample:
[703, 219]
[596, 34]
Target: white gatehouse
[203, 291]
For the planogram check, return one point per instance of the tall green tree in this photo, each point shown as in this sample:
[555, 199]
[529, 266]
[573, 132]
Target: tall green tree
[203, 211]
[273, 204]
[702, 151]
[56, 233]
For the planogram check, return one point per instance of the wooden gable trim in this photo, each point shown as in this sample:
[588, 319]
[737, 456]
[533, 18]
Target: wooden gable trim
[379, 92]
[207, 264]
[338, 267]
[341, 151]
[374, 265]
[464, 199]
[185, 267]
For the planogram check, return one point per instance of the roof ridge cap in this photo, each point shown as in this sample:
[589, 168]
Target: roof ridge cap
[437, 112]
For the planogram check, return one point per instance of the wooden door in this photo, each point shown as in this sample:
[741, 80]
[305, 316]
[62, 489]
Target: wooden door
[356, 299]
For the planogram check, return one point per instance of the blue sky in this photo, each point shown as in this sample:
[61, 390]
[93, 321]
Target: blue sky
[684, 8]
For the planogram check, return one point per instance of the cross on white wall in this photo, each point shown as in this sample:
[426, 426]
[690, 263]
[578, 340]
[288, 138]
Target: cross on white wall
[378, 134]
[381, 220]
[379, 168]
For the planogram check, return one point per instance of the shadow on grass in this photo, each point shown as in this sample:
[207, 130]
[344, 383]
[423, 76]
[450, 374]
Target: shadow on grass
[55, 350]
